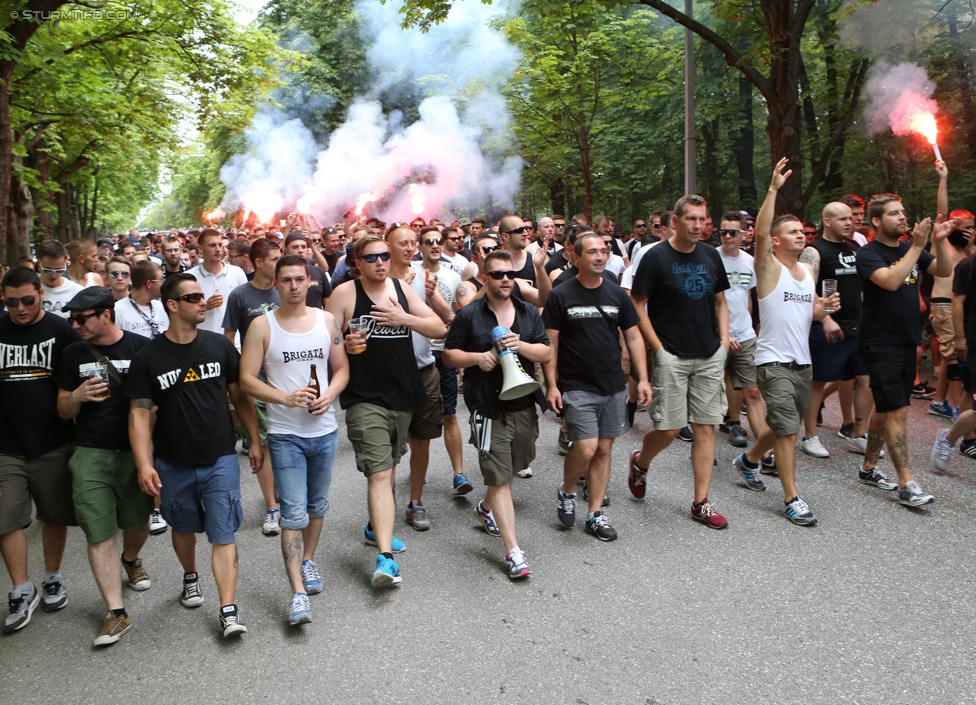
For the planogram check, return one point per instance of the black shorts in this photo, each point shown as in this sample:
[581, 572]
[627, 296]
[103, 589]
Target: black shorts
[836, 361]
[892, 370]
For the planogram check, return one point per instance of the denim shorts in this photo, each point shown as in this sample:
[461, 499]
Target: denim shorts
[302, 470]
[202, 499]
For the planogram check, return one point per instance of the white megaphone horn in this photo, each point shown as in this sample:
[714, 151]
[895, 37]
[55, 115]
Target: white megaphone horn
[516, 382]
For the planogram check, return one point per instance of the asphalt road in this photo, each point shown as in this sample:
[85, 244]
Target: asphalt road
[873, 605]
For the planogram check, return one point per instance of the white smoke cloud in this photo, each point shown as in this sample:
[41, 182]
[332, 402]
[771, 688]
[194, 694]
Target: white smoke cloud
[897, 94]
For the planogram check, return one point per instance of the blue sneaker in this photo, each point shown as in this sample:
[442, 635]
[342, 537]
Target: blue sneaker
[311, 578]
[799, 513]
[942, 410]
[750, 475]
[462, 485]
[387, 572]
[300, 613]
[398, 546]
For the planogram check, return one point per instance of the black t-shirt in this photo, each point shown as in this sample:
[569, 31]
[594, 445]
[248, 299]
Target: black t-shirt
[320, 287]
[557, 261]
[837, 261]
[963, 283]
[29, 355]
[193, 423]
[680, 288]
[101, 424]
[889, 317]
[588, 350]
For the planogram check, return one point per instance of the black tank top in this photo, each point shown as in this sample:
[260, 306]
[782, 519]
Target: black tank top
[837, 262]
[528, 271]
[385, 373]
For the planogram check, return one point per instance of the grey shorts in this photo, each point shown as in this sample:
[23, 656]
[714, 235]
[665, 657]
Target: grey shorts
[513, 437]
[45, 479]
[378, 436]
[687, 389]
[741, 366]
[786, 392]
[590, 415]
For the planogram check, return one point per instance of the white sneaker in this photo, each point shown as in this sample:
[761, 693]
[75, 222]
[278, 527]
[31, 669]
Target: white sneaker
[524, 473]
[271, 526]
[813, 446]
[859, 445]
[157, 524]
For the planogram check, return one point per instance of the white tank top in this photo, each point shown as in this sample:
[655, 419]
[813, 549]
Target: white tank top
[785, 317]
[288, 364]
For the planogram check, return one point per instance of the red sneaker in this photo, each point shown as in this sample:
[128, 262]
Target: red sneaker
[636, 478]
[706, 514]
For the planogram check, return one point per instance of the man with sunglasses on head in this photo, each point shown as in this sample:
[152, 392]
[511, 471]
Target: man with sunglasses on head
[58, 289]
[187, 374]
[385, 386]
[35, 445]
[91, 375]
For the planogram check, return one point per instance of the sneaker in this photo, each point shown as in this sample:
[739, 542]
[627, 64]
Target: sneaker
[738, 436]
[706, 514]
[913, 496]
[942, 410]
[859, 445]
[586, 495]
[417, 515]
[230, 621]
[311, 580]
[396, 546]
[968, 448]
[877, 478]
[566, 508]
[157, 525]
[387, 572]
[813, 446]
[114, 626]
[299, 612]
[799, 513]
[631, 412]
[750, 475]
[517, 566]
[846, 431]
[941, 451]
[139, 579]
[524, 474]
[487, 520]
[600, 527]
[20, 607]
[686, 434]
[271, 526]
[564, 444]
[462, 485]
[724, 426]
[767, 466]
[636, 478]
[55, 596]
[922, 391]
[192, 594]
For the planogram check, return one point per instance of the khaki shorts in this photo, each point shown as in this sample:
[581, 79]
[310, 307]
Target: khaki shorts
[741, 366]
[513, 437]
[687, 390]
[106, 493]
[378, 436]
[786, 392]
[45, 479]
[942, 328]
[428, 423]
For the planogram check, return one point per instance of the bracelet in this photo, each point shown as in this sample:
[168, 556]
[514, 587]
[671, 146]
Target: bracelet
[76, 401]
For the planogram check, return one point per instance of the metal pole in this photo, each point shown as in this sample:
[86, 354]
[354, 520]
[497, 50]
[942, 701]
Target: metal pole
[690, 186]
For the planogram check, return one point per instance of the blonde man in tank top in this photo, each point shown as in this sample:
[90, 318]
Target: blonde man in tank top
[788, 305]
[302, 429]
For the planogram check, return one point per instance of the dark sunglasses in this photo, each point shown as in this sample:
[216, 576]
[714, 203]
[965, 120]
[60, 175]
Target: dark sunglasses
[640, 225]
[657, 226]
[14, 302]
[517, 231]
[455, 239]
[119, 275]
[430, 242]
[485, 249]
[193, 298]
[560, 225]
[80, 318]
[371, 258]
[729, 233]
[499, 274]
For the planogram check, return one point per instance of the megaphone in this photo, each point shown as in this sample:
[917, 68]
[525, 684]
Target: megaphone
[516, 382]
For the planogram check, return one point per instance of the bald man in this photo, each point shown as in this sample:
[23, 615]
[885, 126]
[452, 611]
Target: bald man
[833, 341]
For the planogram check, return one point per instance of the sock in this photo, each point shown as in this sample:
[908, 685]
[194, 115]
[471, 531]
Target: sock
[387, 555]
[54, 577]
[745, 461]
[189, 577]
[120, 613]
[514, 549]
[25, 589]
[590, 515]
[698, 504]
[787, 502]
[129, 562]
[563, 495]
[481, 508]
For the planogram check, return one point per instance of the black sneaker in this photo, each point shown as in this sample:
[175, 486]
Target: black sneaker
[565, 445]
[230, 621]
[767, 466]
[600, 527]
[586, 495]
[847, 431]
[724, 426]
[686, 434]
[923, 391]
[738, 438]
[566, 508]
[631, 412]
[968, 448]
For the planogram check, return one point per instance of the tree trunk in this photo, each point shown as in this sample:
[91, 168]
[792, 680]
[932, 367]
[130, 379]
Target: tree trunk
[66, 200]
[744, 147]
[713, 179]
[8, 238]
[557, 195]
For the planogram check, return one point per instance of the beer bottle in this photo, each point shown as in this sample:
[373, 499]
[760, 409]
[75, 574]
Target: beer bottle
[313, 382]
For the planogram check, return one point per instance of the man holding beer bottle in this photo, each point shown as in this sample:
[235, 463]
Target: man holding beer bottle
[292, 344]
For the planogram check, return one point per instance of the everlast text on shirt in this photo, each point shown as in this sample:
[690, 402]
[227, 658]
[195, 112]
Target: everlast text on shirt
[37, 357]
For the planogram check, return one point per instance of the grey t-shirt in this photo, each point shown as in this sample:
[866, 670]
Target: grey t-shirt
[246, 303]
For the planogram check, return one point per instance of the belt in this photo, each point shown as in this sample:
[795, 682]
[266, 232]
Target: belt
[787, 365]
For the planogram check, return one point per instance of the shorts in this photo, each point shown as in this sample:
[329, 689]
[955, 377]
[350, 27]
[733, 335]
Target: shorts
[202, 499]
[943, 331]
[378, 436]
[45, 479]
[302, 470]
[261, 410]
[591, 415]
[449, 384]
[741, 366]
[836, 361]
[106, 493]
[649, 359]
[786, 391]
[428, 423]
[688, 390]
[892, 370]
[513, 437]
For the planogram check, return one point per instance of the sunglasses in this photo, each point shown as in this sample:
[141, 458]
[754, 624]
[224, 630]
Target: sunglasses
[371, 258]
[80, 318]
[14, 302]
[485, 249]
[499, 274]
[119, 275]
[455, 239]
[430, 242]
[516, 231]
[657, 226]
[640, 225]
[729, 233]
[193, 298]
[62, 272]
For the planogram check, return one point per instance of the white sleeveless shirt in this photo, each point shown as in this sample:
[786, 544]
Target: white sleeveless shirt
[785, 317]
[288, 364]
